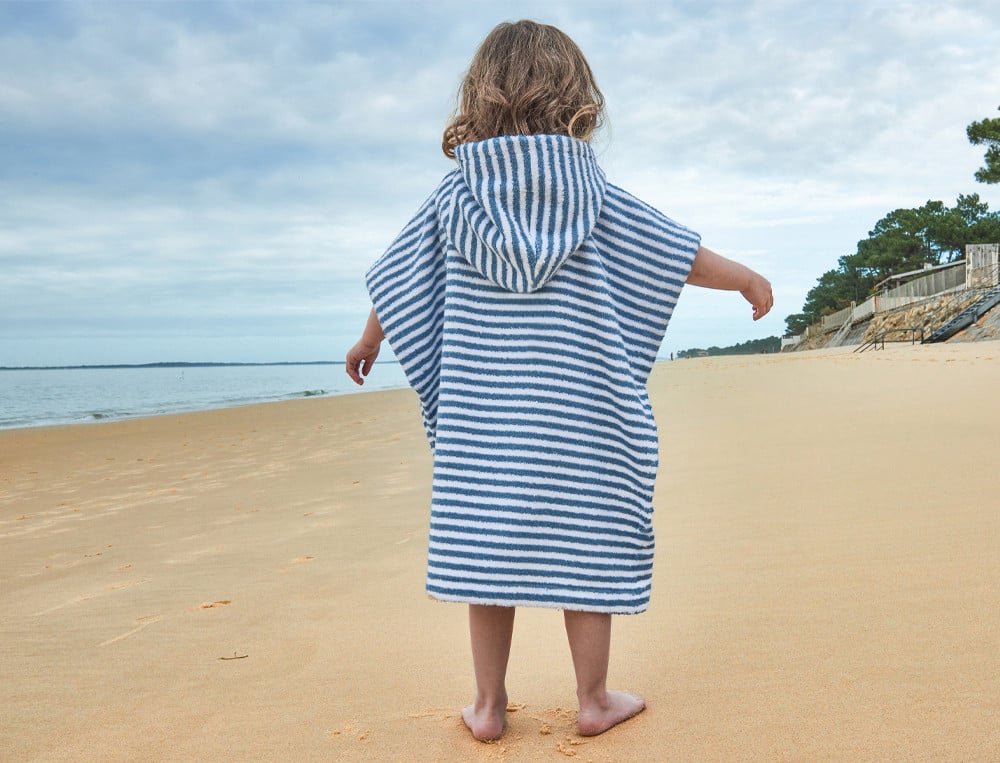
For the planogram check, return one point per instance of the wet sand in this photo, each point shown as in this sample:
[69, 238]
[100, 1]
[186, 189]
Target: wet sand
[248, 584]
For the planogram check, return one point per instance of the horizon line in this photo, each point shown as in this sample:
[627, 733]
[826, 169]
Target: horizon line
[176, 364]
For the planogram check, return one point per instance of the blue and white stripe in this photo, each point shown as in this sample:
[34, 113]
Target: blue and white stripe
[526, 302]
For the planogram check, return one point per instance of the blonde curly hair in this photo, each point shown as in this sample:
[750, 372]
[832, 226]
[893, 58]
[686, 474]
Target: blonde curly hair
[525, 79]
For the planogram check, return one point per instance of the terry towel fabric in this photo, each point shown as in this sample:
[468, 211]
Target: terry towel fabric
[526, 301]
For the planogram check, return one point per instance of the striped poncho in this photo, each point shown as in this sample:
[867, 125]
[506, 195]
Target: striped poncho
[526, 301]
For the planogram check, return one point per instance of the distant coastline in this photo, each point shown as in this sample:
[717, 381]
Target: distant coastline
[173, 364]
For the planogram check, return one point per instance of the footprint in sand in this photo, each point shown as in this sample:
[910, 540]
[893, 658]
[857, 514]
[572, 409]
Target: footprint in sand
[68, 602]
[214, 604]
[295, 562]
[141, 622]
[351, 729]
[127, 584]
[555, 720]
[198, 553]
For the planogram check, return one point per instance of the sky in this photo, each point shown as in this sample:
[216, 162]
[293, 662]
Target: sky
[209, 181]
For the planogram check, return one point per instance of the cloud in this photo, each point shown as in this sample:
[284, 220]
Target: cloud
[232, 168]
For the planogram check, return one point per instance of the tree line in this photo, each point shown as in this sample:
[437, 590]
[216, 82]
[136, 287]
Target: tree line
[908, 239]
[750, 347]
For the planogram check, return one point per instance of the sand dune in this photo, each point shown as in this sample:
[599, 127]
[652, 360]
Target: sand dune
[248, 584]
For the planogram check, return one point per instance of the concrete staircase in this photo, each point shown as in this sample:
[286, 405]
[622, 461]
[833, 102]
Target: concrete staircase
[987, 301]
[838, 338]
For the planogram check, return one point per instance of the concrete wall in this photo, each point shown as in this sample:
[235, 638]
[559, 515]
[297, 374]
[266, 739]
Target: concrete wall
[982, 262]
[837, 319]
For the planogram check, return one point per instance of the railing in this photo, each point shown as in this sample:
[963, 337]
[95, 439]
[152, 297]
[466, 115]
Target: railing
[878, 342]
[931, 284]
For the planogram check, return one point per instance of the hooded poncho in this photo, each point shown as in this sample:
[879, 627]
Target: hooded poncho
[526, 301]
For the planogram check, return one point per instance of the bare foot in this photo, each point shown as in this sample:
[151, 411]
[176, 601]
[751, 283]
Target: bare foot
[486, 724]
[598, 718]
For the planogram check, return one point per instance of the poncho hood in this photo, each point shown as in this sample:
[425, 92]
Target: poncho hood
[526, 204]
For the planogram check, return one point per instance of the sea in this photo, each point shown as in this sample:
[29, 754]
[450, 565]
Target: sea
[34, 397]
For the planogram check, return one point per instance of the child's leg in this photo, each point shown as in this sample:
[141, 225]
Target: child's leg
[490, 629]
[589, 635]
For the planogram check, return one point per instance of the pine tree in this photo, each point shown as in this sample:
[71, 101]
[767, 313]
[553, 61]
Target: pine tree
[987, 132]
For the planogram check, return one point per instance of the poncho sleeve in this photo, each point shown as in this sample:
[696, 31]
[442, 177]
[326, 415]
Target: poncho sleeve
[647, 258]
[406, 285]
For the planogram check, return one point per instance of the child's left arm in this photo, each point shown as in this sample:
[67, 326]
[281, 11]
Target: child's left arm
[713, 271]
[362, 355]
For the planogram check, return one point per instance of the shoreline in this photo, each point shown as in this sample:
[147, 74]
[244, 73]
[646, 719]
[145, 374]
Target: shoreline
[99, 419]
[31, 398]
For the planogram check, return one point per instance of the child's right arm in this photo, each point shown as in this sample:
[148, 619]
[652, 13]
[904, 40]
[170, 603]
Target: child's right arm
[361, 356]
[714, 271]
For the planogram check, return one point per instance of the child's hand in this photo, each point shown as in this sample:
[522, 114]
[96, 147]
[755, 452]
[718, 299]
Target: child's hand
[362, 355]
[716, 272]
[360, 359]
[759, 295]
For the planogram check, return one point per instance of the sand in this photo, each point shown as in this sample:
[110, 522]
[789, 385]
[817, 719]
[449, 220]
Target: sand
[248, 584]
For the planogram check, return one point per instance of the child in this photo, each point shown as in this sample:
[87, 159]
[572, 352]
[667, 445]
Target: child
[526, 302]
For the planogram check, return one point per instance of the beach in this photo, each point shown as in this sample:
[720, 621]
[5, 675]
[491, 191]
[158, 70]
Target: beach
[247, 583]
